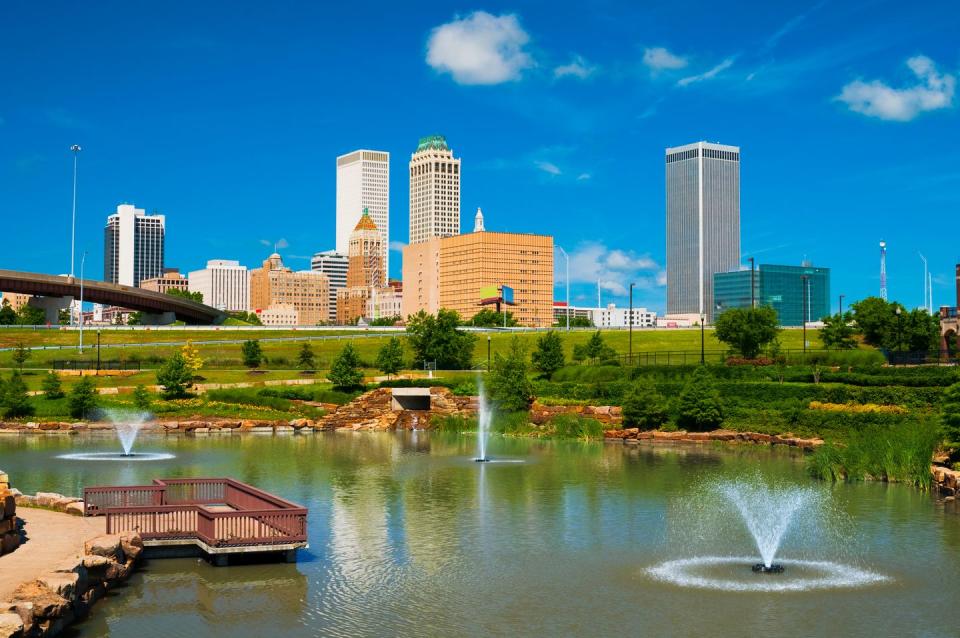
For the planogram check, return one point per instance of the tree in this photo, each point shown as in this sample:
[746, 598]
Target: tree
[385, 321]
[390, 356]
[186, 294]
[436, 338]
[747, 330]
[950, 413]
[700, 407]
[83, 399]
[345, 370]
[510, 388]
[63, 317]
[175, 377]
[51, 386]
[643, 407]
[246, 317]
[191, 357]
[20, 354]
[305, 358]
[252, 354]
[141, 398]
[30, 316]
[16, 401]
[490, 318]
[921, 331]
[135, 319]
[8, 316]
[837, 333]
[874, 317]
[548, 357]
[594, 348]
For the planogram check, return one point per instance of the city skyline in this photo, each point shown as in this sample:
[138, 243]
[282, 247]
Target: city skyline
[592, 148]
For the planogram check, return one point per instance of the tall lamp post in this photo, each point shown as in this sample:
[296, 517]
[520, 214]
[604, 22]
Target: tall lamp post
[753, 303]
[83, 259]
[841, 306]
[630, 323]
[75, 149]
[488, 353]
[703, 320]
[98, 352]
[899, 334]
[803, 281]
[567, 258]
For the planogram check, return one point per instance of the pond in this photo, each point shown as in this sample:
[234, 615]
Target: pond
[408, 536]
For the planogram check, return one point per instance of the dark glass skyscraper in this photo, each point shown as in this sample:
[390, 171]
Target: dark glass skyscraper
[779, 287]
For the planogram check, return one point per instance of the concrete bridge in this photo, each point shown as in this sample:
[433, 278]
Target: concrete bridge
[54, 293]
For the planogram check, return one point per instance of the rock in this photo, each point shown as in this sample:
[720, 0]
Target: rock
[170, 425]
[132, 544]
[76, 508]
[78, 426]
[46, 603]
[48, 499]
[11, 625]
[22, 609]
[64, 584]
[31, 425]
[9, 506]
[46, 427]
[107, 545]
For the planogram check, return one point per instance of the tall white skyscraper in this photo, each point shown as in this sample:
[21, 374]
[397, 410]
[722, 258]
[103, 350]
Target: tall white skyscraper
[434, 190]
[703, 223]
[334, 265]
[363, 182]
[224, 284]
[133, 246]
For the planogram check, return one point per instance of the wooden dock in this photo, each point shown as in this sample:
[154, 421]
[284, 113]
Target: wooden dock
[216, 517]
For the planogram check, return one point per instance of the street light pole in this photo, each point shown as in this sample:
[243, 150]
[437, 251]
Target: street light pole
[803, 280]
[98, 353]
[567, 258]
[753, 303]
[841, 306]
[630, 322]
[703, 320]
[83, 260]
[488, 353]
[73, 217]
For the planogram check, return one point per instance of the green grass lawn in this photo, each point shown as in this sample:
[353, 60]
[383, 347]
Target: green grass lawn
[282, 355]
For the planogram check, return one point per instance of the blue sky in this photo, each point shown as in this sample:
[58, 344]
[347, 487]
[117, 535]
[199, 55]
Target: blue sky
[227, 117]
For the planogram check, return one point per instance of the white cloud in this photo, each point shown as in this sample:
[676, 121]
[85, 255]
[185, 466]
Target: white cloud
[548, 167]
[709, 74]
[276, 245]
[877, 99]
[582, 177]
[660, 59]
[614, 269]
[480, 49]
[578, 68]
[397, 245]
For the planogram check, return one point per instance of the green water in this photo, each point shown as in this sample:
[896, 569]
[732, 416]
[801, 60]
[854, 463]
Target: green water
[408, 537]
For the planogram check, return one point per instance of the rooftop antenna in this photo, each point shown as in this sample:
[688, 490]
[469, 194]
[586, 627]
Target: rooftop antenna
[883, 270]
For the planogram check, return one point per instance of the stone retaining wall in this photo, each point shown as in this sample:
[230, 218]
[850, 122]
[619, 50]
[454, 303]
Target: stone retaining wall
[9, 524]
[47, 605]
[607, 414]
[947, 481]
[634, 435]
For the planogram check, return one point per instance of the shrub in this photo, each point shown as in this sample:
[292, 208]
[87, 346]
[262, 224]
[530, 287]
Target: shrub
[594, 348]
[249, 396]
[175, 377]
[16, 401]
[191, 358]
[345, 370]
[305, 358]
[390, 356]
[252, 353]
[950, 413]
[548, 357]
[590, 374]
[575, 426]
[857, 407]
[52, 389]
[453, 424]
[83, 399]
[747, 330]
[512, 423]
[699, 406]
[510, 389]
[142, 398]
[644, 407]
[437, 339]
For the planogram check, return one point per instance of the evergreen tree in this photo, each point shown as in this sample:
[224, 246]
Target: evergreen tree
[51, 386]
[548, 357]
[20, 354]
[643, 407]
[390, 357]
[305, 358]
[252, 354]
[83, 399]
[141, 398]
[175, 378]
[510, 388]
[345, 371]
[594, 348]
[700, 407]
[16, 401]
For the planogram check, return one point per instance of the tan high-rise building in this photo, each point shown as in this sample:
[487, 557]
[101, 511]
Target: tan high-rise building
[434, 191]
[274, 285]
[364, 270]
[449, 273]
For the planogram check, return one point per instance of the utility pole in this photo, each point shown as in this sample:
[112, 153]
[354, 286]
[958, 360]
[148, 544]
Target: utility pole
[753, 303]
[567, 257]
[803, 280]
[630, 320]
[926, 299]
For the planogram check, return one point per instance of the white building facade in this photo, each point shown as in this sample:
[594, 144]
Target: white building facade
[703, 223]
[133, 245]
[385, 303]
[434, 191]
[363, 182]
[224, 284]
[613, 317]
[334, 265]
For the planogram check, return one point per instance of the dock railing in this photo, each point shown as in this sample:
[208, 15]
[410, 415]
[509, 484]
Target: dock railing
[220, 512]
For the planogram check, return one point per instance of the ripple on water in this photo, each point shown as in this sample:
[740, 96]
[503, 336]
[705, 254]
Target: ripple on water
[117, 456]
[733, 573]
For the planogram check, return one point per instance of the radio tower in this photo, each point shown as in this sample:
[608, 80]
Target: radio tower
[883, 270]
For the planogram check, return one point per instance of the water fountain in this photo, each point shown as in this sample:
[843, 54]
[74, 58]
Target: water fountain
[127, 426]
[769, 513]
[484, 416]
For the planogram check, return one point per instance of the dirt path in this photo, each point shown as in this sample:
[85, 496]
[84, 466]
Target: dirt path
[51, 538]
